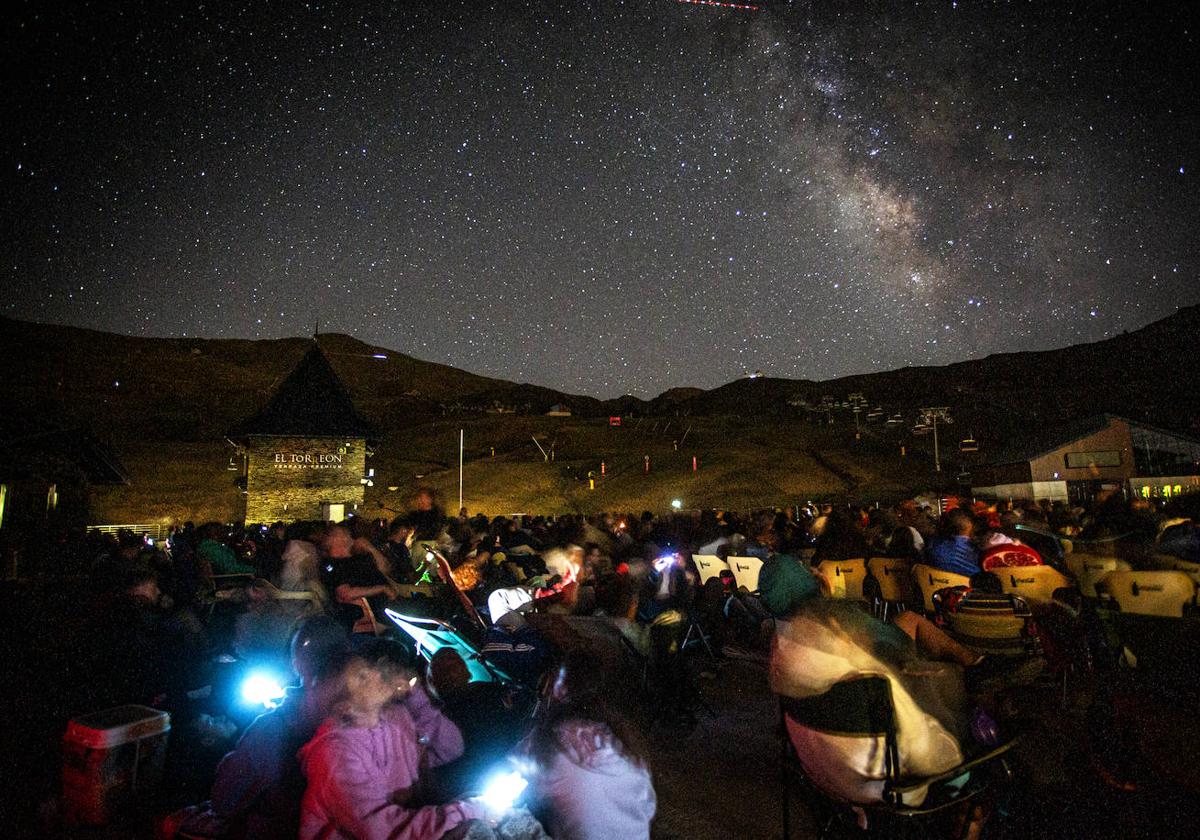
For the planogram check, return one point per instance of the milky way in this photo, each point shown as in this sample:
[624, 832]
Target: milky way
[606, 197]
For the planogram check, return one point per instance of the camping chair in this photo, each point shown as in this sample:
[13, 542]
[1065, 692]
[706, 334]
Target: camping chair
[745, 572]
[845, 577]
[929, 580]
[894, 580]
[709, 566]
[1164, 594]
[431, 635]
[861, 707]
[1036, 584]
[1090, 569]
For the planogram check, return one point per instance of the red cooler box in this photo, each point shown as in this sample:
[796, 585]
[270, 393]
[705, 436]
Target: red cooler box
[111, 757]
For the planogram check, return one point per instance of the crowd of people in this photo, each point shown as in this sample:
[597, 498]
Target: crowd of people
[374, 741]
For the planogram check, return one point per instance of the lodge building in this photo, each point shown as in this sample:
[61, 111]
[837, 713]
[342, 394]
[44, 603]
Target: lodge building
[1074, 463]
[305, 453]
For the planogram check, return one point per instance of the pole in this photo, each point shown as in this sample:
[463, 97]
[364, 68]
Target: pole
[937, 460]
[461, 441]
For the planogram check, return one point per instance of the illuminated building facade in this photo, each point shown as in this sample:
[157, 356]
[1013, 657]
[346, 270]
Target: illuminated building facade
[305, 452]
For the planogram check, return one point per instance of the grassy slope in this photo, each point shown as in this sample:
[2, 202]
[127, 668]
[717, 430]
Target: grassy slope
[176, 397]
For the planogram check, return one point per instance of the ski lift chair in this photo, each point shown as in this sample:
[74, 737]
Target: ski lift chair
[861, 708]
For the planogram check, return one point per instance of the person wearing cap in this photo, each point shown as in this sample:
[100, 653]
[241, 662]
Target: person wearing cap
[259, 785]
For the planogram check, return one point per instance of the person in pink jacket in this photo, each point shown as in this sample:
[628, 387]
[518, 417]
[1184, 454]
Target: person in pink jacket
[365, 763]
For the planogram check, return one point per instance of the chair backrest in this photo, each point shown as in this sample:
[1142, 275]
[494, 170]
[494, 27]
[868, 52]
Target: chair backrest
[1033, 583]
[845, 577]
[1090, 569]
[929, 580]
[367, 623]
[1007, 555]
[1158, 593]
[709, 566]
[1167, 562]
[857, 707]
[894, 577]
[745, 572]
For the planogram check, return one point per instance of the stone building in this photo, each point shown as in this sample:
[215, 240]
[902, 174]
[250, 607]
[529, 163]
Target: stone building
[305, 452]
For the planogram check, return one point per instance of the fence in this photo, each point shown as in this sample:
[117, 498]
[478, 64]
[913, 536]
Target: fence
[155, 531]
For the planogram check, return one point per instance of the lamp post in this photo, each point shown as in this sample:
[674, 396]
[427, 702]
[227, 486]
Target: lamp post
[931, 416]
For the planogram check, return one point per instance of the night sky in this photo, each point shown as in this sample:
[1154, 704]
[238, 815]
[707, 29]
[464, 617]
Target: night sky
[605, 197]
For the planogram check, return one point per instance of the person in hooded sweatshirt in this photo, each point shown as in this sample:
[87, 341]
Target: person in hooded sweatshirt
[590, 780]
[365, 765]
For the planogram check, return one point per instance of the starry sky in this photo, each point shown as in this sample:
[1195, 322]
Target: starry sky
[605, 197]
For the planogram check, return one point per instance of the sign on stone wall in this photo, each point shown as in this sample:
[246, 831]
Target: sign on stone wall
[309, 460]
[290, 478]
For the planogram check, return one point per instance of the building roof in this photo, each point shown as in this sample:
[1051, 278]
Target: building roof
[1041, 442]
[43, 452]
[1045, 441]
[310, 402]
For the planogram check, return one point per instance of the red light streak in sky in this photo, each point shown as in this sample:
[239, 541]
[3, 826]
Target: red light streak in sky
[743, 6]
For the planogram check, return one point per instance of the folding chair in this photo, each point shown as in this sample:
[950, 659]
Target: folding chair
[895, 582]
[1033, 583]
[709, 566]
[432, 634]
[366, 623]
[861, 708]
[929, 580]
[1164, 594]
[1090, 569]
[845, 577]
[745, 572]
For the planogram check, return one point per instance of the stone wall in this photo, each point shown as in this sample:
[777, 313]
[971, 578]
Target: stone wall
[290, 478]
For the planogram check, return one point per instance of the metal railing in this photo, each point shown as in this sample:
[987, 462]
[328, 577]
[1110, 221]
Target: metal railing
[153, 530]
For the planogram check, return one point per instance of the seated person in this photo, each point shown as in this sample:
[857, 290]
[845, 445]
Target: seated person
[400, 559]
[487, 714]
[820, 642]
[952, 550]
[590, 780]
[299, 568]
[365, 764]
[220, 557]
[259, 786]
[619, 602]
[353, 569]
[515, 647]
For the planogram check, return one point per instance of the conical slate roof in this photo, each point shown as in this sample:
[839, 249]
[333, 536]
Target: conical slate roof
[310, 402]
